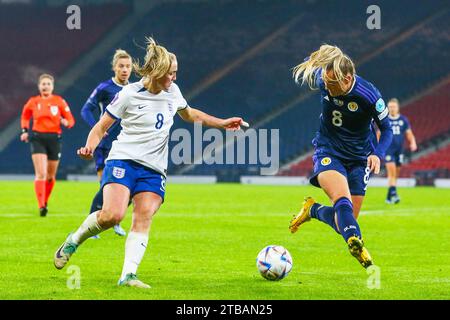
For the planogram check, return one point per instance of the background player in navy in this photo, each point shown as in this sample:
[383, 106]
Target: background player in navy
[345, 153]
[394, 155]
[94, 108]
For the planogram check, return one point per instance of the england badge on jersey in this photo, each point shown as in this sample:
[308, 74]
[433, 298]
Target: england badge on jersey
[118, 173]
[54, 110]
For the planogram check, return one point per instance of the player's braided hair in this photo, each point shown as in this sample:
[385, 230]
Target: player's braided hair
[156, 63]
[326, 58]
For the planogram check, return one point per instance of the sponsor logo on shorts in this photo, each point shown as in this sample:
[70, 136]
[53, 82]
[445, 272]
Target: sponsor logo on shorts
[118, 173]
[325, 161]
[352, 106]
[388, 158]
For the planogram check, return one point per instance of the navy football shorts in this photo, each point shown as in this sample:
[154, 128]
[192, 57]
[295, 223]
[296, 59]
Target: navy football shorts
[394, 156]
[356, 172]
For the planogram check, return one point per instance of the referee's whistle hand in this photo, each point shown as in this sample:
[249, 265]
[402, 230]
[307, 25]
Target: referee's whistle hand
[24, 137]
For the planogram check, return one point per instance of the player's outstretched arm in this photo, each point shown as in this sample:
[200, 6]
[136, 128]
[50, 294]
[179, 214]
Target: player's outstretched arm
[194, 115]
[95, 135]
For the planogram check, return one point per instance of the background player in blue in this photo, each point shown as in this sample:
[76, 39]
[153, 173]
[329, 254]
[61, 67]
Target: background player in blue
[94, 108]
[394, 155]
[345, 153]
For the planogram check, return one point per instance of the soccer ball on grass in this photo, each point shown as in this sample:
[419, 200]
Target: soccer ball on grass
[274, 262]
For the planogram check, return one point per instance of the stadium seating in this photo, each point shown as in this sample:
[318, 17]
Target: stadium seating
[298, 125]
[438, 161]
[39, 41]
[430, 114]
[209, 38]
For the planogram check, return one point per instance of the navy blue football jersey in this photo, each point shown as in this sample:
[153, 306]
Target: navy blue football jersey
[346, 122]
[399, 126]
[95, 106]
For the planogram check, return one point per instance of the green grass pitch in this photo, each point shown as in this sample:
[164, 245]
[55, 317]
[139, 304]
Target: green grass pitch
[205, 238]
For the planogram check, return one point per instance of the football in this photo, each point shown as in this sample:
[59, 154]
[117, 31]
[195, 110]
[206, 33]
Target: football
[274, 262]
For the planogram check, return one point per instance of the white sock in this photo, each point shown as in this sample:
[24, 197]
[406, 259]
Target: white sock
[134, 252]
[88, 228]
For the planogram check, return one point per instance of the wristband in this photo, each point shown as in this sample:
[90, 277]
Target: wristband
[24, 130]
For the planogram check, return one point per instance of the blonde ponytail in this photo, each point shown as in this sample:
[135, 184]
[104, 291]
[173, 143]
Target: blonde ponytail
[156, 63]
[326, 58]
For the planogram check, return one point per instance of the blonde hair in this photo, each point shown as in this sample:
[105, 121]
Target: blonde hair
[157, 62]
[395, 100]
[326, 58]
[119, 54]
[46, 76]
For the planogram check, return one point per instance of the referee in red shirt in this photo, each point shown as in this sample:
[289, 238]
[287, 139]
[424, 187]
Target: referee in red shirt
[48, 112]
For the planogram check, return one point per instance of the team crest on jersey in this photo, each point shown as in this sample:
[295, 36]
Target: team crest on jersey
[338, 102]
[379, 105]
[325, 161]
[352, 106]
[400, 123]
[54, 110]
[119, 173]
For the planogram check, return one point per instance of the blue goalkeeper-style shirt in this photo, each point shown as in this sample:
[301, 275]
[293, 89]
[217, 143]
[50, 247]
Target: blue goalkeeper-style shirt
[95, 106]
[346, 123]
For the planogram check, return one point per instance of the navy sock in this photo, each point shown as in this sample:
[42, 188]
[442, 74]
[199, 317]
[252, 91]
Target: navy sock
[389, 194]
[324, 214]
[392, 191]
[346, 222]
[97, 203]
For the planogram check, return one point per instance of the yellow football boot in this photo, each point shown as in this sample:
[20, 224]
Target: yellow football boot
[357, 249]
[303, 216]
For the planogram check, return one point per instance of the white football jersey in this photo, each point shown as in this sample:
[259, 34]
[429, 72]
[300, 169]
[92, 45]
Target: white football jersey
[146, 120]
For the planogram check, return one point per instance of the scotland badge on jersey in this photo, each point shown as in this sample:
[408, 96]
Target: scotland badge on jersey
[118, 173]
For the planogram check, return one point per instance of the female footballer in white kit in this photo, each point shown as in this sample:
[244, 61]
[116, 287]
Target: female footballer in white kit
[137, 164]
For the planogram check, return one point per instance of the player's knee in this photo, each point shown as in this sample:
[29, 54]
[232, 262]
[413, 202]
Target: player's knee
[40, 176]
[110, 217]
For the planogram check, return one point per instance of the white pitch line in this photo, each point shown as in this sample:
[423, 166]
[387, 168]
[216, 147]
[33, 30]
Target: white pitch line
[405, 211]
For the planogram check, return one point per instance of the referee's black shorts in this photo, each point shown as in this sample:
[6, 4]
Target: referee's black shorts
[47, 143]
